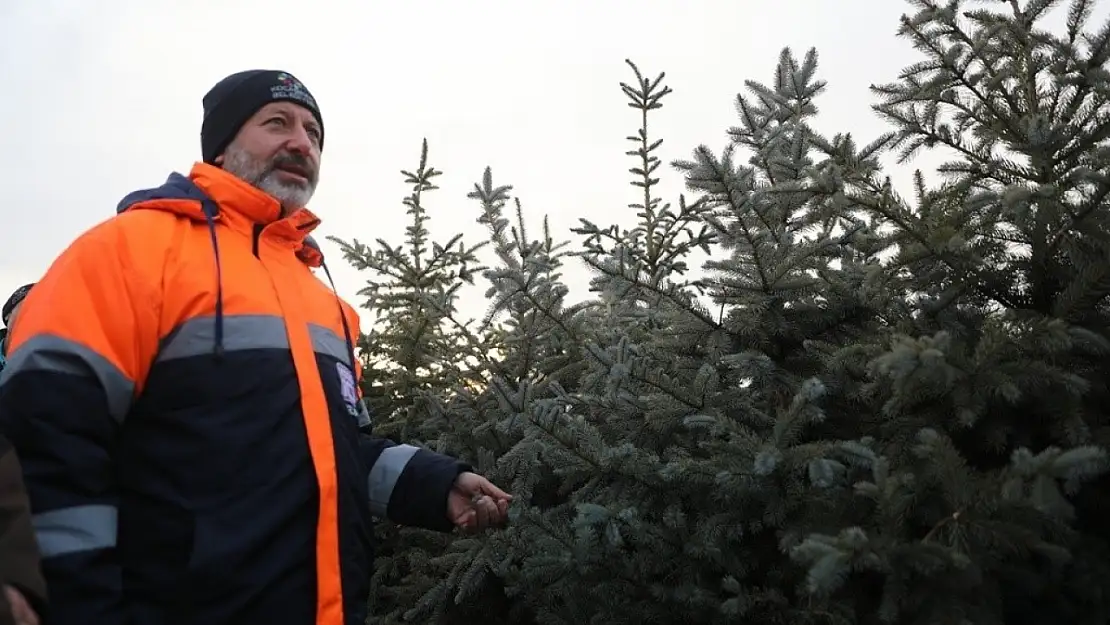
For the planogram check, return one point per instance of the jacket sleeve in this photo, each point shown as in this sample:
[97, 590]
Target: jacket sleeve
[19, 555]
[79, 353]
[408, 485]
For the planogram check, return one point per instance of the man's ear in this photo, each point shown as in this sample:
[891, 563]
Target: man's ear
[218, 161]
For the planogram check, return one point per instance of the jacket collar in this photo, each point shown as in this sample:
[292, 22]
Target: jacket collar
[212, 194]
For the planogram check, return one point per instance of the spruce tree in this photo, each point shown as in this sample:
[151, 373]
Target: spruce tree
[416, 346]
[417, 351]
[692, 443]
[986, 490]
[525, 344]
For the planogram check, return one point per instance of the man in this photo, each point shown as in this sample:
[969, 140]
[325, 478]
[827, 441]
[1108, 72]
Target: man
[23, 589]
[8, 315]
[183, 394]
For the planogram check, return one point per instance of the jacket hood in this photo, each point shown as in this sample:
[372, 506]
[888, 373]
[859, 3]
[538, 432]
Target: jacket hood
[182, 195]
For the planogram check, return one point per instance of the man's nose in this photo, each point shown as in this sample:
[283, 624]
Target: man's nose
[300, 142]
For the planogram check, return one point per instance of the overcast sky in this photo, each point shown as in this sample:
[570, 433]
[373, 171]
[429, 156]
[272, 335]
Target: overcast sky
[102, 98]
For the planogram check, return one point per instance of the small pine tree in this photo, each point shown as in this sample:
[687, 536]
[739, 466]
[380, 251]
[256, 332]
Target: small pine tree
[514, 348]
[416, 347]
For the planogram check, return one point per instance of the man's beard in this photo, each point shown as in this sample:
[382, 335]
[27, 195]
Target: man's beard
[266, 176]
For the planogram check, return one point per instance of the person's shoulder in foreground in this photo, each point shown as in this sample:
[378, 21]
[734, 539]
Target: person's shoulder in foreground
[22, 588]
[185, 395]
[8, 314]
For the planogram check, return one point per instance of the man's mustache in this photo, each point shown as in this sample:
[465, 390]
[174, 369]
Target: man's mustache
[296, 163]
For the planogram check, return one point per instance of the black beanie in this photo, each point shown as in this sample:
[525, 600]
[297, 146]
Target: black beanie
[229, 104]
[14, 300]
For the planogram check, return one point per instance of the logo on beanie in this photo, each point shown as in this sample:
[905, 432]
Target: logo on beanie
[289, 88]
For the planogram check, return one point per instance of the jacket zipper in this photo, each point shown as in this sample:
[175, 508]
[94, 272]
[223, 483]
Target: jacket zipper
[257, 234]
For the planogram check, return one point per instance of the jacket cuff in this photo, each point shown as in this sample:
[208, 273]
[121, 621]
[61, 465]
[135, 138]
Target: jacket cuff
[419, 498]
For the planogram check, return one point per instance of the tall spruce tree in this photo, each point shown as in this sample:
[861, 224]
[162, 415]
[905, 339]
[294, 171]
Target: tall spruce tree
[693, 442]
[993, 410]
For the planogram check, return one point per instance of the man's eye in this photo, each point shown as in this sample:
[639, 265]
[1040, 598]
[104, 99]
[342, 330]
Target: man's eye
[276, 121]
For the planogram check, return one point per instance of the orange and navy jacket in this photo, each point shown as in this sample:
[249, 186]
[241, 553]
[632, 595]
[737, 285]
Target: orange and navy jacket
[182, 392]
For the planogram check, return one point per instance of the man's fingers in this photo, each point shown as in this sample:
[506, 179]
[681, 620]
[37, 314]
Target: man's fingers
[22, 613]
[482, 510]
[476, 485]
[465, 521]
[490, 489]
[490, 504]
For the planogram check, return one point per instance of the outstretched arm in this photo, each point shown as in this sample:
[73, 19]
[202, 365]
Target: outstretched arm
[409, 485]
[419, 488]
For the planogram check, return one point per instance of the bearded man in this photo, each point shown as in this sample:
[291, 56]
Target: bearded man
[183, 393]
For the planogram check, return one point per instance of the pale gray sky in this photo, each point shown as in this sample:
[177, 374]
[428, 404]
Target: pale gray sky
[102, 98]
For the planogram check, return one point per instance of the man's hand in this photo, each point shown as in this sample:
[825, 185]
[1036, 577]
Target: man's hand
[475, 504]
[22, 613]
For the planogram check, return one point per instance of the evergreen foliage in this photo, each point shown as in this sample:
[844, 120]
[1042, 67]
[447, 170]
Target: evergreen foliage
[865, 408]
[411, 351]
